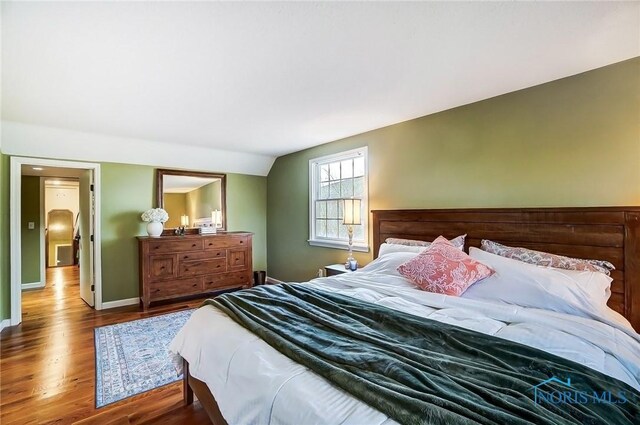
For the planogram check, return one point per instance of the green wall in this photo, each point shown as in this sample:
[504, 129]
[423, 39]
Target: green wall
[5, 286]
[570, 142]
[128, 191]
[30, 238]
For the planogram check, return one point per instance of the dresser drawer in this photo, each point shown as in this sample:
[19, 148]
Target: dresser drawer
[211, 282]
[173, 246]
[175, 288]
[237, 259]
[202, 255]
[198, 268]
[162, 267]
[225, 241]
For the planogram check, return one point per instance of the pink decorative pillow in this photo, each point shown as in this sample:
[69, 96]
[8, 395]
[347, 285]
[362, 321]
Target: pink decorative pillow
[444, 269]
[540, 258]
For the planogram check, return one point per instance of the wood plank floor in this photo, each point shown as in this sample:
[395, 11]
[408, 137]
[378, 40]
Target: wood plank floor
[47, 363]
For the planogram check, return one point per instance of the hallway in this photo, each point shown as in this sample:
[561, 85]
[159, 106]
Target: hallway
[47, 363]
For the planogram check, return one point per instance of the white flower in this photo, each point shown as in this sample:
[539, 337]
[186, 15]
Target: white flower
[155, 215]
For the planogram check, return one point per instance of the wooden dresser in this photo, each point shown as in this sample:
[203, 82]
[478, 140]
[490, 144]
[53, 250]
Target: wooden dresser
[181, 266]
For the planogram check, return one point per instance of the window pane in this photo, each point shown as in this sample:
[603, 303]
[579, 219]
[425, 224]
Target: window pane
[324, 173]
[321, 228]
[334, 171]
[340, 208]
[332, 209]
[343, 233]
[358, 167]
[334, 190]
[321, 209]
[358, 187]
[358, 233]
[347, 169]
[324, 191]
[332, 228]
[347, 188]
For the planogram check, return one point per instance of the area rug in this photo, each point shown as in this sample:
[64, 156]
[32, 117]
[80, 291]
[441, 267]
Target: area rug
[133, 357]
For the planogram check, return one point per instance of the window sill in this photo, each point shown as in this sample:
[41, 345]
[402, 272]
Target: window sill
[339, 245]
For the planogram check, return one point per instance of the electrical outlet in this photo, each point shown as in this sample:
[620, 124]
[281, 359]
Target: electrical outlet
[31, 225]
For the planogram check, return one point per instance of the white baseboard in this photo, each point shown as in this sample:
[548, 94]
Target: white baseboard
[120, 303]
[272, 280]
[5, 323]
[32, 285]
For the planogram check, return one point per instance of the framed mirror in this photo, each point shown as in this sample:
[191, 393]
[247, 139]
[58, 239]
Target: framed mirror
[192, 199]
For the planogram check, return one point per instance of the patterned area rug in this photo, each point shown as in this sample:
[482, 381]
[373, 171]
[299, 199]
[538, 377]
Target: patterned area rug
[133, 357]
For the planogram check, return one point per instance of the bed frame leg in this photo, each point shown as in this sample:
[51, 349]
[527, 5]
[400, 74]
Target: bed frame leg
[187, 392]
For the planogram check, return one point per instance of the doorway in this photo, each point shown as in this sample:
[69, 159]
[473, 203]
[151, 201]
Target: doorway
[65, 224]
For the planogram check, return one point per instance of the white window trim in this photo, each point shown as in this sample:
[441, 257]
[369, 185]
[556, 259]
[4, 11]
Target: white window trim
[313, 188]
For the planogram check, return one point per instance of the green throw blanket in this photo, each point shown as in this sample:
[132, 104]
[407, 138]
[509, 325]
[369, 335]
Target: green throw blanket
[420, 371]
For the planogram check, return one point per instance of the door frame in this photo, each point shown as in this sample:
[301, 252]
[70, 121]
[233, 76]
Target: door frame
[15, 184]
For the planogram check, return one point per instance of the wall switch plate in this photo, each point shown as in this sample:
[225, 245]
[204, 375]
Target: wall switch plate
[31, 225]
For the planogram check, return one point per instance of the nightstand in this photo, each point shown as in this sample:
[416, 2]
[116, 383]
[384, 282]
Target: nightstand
[335, 269]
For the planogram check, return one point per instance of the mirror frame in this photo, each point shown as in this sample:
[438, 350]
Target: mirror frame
[161, 172]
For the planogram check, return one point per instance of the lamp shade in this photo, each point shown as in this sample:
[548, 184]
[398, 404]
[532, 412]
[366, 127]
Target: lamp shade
[352, 211]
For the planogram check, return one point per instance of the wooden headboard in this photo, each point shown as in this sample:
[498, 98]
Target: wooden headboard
[607, 233]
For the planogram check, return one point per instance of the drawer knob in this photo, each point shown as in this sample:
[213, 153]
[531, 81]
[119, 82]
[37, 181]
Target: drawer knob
[210, 243]
[186, 257]
[218, 266]
[162, 268]
[193, 245]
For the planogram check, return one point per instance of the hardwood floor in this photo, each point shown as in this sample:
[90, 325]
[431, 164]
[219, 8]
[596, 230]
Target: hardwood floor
[47, 363]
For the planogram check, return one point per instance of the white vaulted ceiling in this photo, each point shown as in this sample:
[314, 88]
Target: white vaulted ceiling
[259, 80]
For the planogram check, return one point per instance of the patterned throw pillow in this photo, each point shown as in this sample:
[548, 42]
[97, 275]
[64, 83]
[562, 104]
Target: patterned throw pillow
[458, 242]
[444, 269]
[546, 259]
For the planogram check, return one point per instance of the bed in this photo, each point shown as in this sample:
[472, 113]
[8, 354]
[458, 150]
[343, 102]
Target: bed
[239, 378]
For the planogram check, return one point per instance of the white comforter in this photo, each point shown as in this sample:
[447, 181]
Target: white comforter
[255, 384]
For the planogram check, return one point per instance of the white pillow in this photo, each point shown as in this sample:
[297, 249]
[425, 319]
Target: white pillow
[390, 261]
[514, 282]
[388, 248]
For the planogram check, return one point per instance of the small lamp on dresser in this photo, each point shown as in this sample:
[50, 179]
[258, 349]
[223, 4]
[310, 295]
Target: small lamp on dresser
[352, 211]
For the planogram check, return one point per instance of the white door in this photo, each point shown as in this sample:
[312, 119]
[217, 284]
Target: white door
[87, 215]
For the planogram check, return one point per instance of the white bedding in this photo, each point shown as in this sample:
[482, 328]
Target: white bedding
[255, 384]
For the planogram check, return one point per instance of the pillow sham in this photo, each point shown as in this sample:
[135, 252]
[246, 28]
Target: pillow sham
[580, 293]
[389, 263]
[458, 241]
[444, 269]
[540, 258]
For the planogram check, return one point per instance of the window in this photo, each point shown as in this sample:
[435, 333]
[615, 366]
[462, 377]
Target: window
[332, 178]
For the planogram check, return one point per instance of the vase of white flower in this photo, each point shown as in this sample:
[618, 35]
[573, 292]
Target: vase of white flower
[155, 217]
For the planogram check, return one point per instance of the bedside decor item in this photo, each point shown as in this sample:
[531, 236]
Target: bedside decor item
[352, 216]
[132, 357]
[155, 217]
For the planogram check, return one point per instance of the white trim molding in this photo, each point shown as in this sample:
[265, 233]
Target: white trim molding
[32, 285]
[4, 324]
[120, 303]
[15, 183]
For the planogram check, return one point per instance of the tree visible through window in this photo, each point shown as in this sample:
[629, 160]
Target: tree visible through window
[333, 178]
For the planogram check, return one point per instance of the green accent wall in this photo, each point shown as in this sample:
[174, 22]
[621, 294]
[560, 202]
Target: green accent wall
[570, 142]
[30, 238]
[5, 285]
[247, 210]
